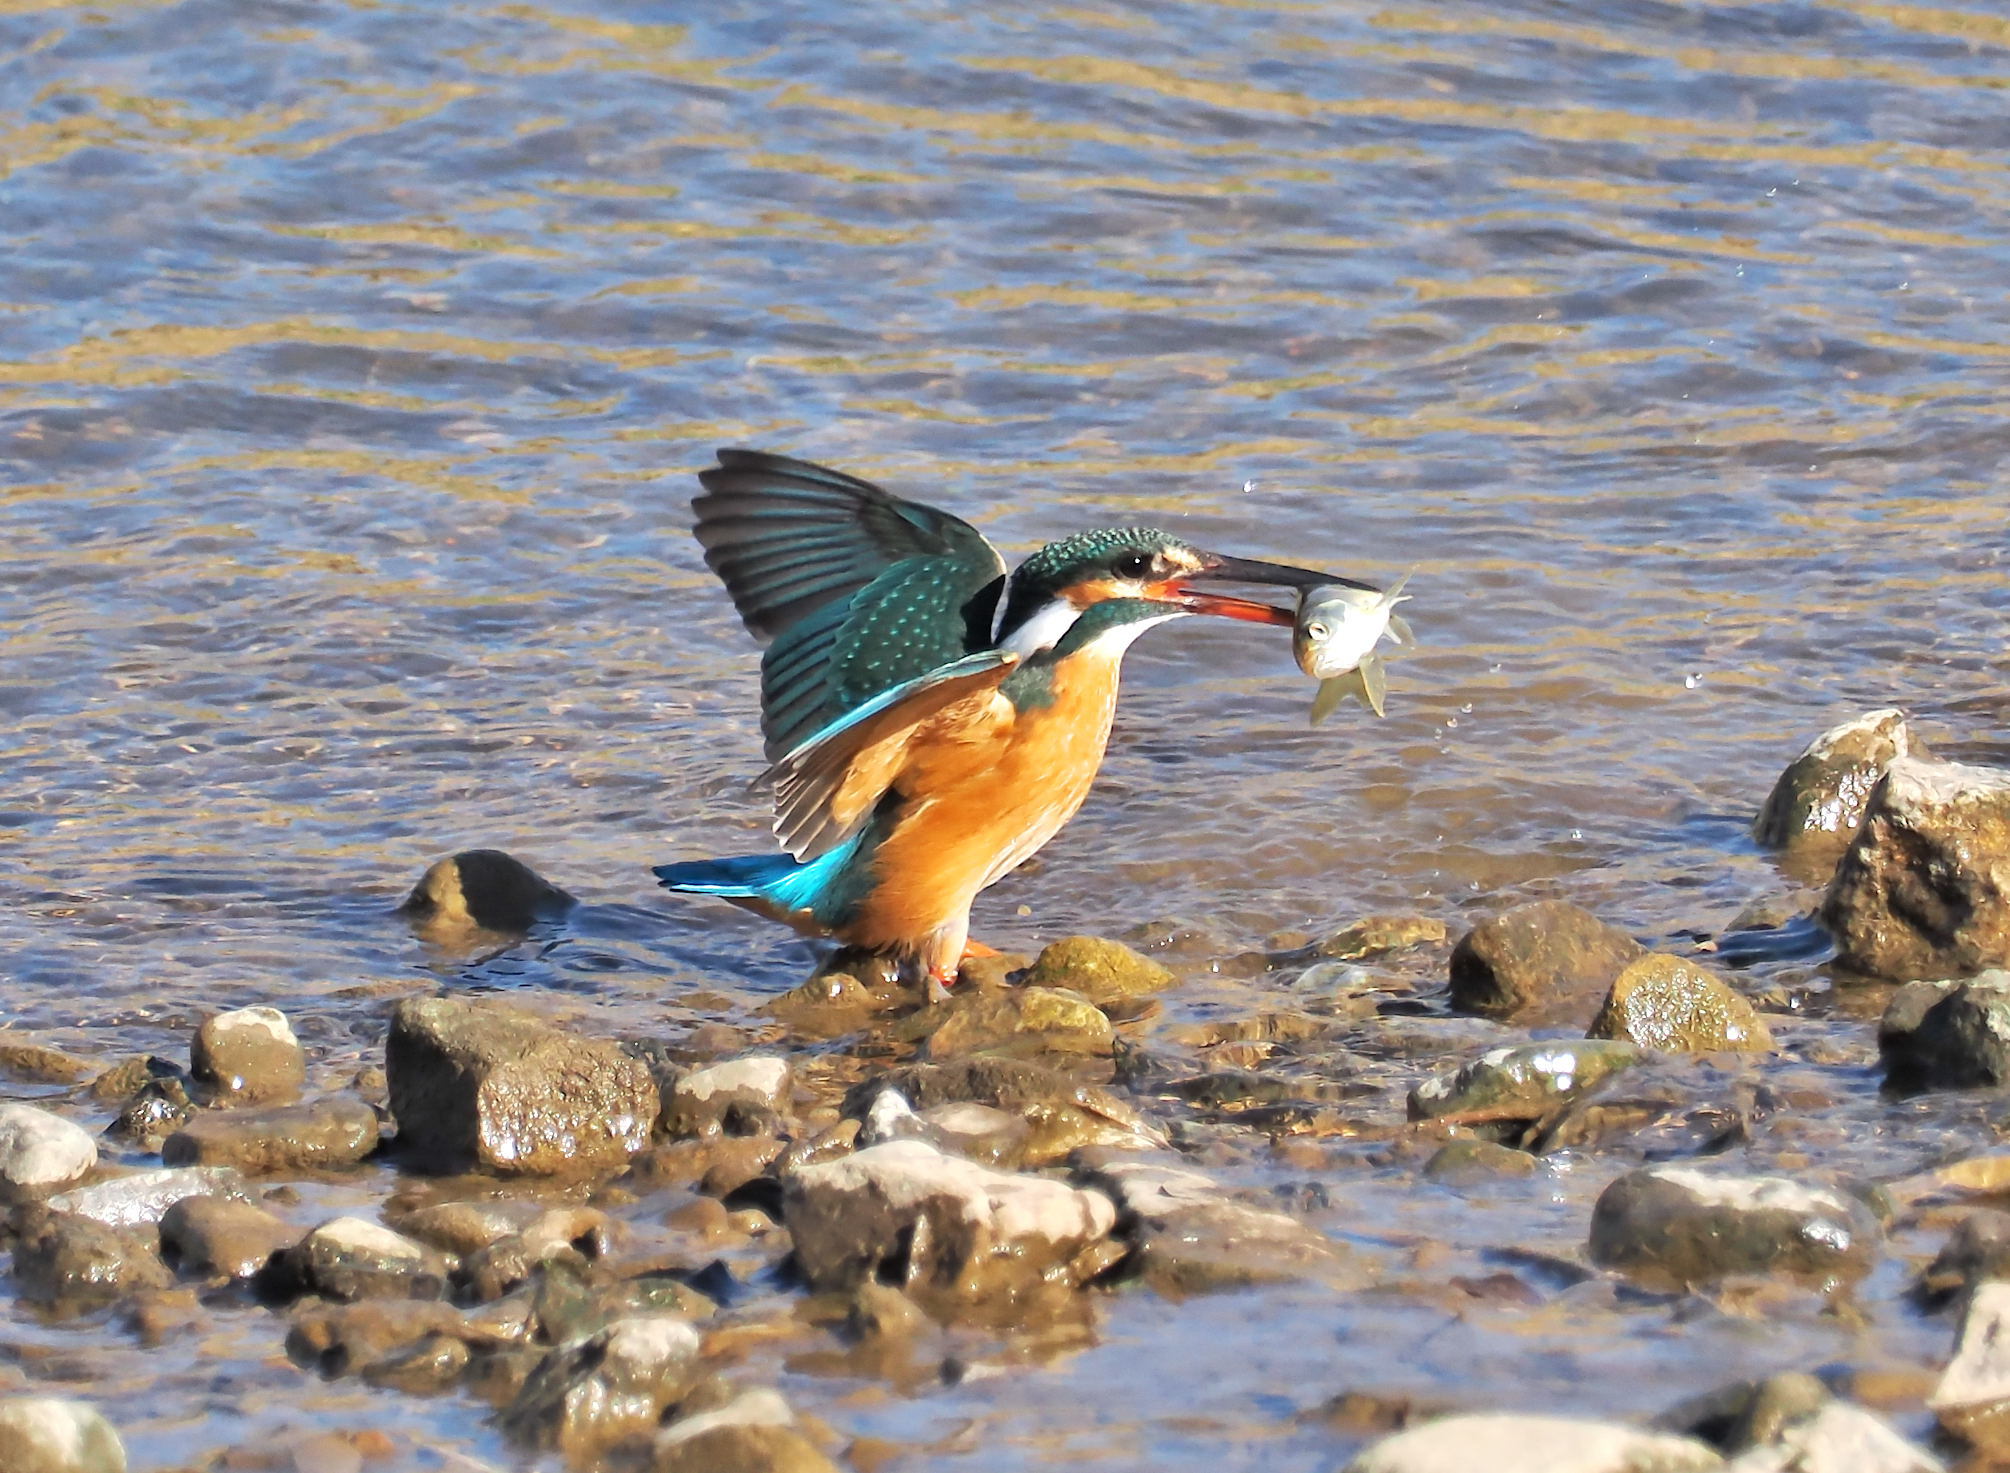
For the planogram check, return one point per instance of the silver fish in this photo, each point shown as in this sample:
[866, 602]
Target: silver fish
[1336, 637]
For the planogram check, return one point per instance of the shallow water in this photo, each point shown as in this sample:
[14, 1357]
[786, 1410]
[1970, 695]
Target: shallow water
[355, 358]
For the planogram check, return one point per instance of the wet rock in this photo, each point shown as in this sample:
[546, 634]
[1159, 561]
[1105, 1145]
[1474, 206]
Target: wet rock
[156, 1111]
[755, 1432]
[325, 1135]
[1545, 962]
[1521, 1081]
[1972, 1399]
[592, 1393]
[123, 1080]
[215, 1235]
[1924, 889]
[1061, 1115]
[1365, 940]
[144, 1197]
[1018, 1021]
[832, 1004]
[909, 1215]
[1102, 970]
[1191, 1237]
[1509, 1443]
[1815, 807]
[489, 1086]
[1948, 1035]
[350, 1258]
[1663, 1002]
[880, 1312]
[71, 1262]
[484, 888]
[37, 1063]
[435, 1363]
[343, 1339]
[981, 1133]
[1677, 1226]
[1460, 1163]
[465, 1228]
[1977, 1251]
[50, 1434]
[1790, 1424]
[711, 1100]
[248, 1057]
[41, 1152]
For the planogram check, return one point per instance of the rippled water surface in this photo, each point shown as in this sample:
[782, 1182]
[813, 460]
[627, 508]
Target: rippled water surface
[355, 359]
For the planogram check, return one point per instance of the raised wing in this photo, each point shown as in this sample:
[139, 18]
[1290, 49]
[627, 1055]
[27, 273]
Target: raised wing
[826, 788]
[858, 590]
[788, 537]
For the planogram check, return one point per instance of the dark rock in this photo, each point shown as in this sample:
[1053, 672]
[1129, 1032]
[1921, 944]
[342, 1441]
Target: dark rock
[1191, 1237]
[350, 1258]
[156, 1111]
[489, 1086]
[1521, 1081]
[1101, 970]
[344, 1339]
[71, 1262]
[1815, 807]
[1545, 962]
[49, 1434]
[248, 1057]
[217, 1235]
[1019, 1021]
[1513, 1443]
[755, 1432]
[1924, 889]
[1677, 1226]
[591, 1393]
[1061, 1115]
[327, 1134]
[123, 1080]
[1458, 1163]
[1976, 1251]
[41, 1152]
[1663, 1002]
[906, 1214]
[1948, 1035]
[144, 1197]
[484, 888]
[708, 1101]
[37, 1063]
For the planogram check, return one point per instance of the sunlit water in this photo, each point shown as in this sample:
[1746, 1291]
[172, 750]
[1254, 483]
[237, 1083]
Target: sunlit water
[355, 359]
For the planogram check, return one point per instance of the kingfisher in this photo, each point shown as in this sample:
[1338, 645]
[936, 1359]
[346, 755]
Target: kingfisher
[930, 720]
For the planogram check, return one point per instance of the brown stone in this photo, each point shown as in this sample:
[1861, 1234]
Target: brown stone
[1544, 962]
[1102, 970]
[1815, 807]
[324, 1135]
[1018, 1021]
[218, 1235]
[248, 1057]
[40, 1064]
[485, 889]
[1664, 1002]
[1924, 890]
[487, 1085]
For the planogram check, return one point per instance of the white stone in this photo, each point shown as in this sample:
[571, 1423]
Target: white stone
[1507, 1443]
[40, 1151]
[910, 1173]
[359, 1235]
[1979, 1374]
[1754, 1193]
[269, 1021]
[49, 1434]
[757, 1408]
[763, 1076]
[144, 1197]
[652, 1343]
[1839, 1438]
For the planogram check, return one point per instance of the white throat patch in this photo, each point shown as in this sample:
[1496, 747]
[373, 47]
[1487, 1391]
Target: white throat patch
[1044, 630]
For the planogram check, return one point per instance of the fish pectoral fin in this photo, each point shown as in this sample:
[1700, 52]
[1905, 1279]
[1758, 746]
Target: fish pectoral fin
[1374, 683]
[1400, 633]
[827, 786]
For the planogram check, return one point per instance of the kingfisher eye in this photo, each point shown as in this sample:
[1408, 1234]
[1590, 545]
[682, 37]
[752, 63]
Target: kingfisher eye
[1132, 565]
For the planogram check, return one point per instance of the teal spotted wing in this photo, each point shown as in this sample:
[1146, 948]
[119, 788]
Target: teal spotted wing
[856, 590]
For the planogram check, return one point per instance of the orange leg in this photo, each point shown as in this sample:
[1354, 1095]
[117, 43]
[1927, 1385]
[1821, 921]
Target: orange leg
[977, 948]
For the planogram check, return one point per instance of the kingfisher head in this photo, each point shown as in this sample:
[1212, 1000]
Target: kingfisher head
[1050, 590]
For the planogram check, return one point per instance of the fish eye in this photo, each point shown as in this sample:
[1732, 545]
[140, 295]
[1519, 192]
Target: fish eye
[1132, 565]
[1317, 630]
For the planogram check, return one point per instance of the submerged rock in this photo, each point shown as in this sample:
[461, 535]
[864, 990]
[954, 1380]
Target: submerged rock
[1018, 1020]
[38, 1063]
[1520, 1081]
[486, 1085]
[41, 1151]
[73, 1263]
[350, 1258]
[591, 1393]
[327, 1134]
[1815, 807]
[1512, 1443]
[1663, 1002]
[1102, 970]
[144, 1197]
[755, 1432]
[1790, 1424]
[52, 1434]
[1545, 962]
[155, 1111]
[1192, 1237]
[704, 1101]
[1678, 1226]
[1061, 1115]
[216, 1235]
[248, 1057]
[906, 1214]
[1977, 1251]
[485, 888]
[1368, 938]
[344, 1339]
[1461, 1163]
[1948, 1035]
[1924, 890]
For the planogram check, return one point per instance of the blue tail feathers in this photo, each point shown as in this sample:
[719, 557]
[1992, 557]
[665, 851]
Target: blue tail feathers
[773, 883]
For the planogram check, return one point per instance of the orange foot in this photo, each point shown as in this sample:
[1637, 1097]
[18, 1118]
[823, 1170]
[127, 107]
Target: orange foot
[978, 948]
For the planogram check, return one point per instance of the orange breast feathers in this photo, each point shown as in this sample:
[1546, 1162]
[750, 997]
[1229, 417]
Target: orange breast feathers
[985, 786]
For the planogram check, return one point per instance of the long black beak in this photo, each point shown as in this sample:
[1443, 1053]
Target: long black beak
[1249, 570]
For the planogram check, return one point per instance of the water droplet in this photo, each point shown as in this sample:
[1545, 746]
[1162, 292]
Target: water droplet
[1248, 486]
[1691, 681]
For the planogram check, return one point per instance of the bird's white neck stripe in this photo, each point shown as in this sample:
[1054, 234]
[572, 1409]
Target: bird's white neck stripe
[1043, 631]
